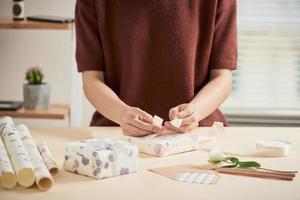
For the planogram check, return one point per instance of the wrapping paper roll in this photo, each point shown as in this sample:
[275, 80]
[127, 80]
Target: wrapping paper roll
[7, 173]
[18, 155]
[6, 121]
[48, 158]
[44, 179]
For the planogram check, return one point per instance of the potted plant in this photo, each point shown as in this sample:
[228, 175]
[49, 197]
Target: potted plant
[36, 93]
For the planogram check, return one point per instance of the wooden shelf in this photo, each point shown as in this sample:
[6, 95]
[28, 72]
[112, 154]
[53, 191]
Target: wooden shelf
[56, 111]
[9, 23]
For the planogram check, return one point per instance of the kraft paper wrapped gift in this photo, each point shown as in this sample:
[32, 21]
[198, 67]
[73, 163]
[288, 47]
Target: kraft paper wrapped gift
[169, 144]
[101, 158]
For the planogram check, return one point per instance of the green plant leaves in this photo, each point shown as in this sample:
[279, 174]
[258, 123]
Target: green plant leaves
[235, 162]
[249, 164]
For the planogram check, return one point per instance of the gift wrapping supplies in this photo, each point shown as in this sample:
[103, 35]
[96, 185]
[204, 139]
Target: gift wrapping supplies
[169, 144]
[101, 158]
[20, 159]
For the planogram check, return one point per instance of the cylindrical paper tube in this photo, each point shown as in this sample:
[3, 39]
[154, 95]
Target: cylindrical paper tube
[4, 121]
[44, 179]
[48, 158]
[18, 156]
[7, 173]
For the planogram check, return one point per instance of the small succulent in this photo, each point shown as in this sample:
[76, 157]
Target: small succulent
[34, 75]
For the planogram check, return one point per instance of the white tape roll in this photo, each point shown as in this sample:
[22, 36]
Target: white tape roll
[274, 147]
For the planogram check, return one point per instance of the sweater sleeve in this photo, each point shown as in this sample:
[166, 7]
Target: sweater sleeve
[224, 47]
[89, 53]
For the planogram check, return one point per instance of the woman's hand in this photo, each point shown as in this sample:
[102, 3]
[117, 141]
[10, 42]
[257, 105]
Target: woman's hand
[189, 114]
[136, 122]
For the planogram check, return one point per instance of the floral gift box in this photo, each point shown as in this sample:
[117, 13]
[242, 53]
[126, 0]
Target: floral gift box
[101, 158]
[169, 144]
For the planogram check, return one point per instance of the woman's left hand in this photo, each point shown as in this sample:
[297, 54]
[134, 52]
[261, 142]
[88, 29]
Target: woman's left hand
[189, 114]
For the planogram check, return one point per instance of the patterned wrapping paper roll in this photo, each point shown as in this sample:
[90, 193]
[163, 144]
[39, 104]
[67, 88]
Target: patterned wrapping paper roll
[7, 173]
[6, 121]
[48, 158]
[44, 179]
[18, 155]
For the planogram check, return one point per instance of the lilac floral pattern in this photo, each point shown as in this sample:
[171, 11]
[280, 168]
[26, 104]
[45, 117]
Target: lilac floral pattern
[124, 171]
[158, 150]
[111, 157]
[101, 158]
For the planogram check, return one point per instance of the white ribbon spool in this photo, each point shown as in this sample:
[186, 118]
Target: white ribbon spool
[274, 147]
[264, 148]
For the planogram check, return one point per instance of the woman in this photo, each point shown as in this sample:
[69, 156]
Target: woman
[169, 58]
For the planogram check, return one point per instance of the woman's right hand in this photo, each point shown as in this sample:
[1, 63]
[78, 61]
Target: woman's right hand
[136, 122]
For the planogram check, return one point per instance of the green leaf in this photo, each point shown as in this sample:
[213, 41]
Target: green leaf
[229, 166]
[235, 162]
[232, 160]
[249, 164]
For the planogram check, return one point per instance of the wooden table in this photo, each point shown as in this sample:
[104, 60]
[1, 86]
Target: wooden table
[146, 185]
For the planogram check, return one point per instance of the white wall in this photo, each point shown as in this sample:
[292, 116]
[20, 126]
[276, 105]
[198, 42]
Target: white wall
[50, 49]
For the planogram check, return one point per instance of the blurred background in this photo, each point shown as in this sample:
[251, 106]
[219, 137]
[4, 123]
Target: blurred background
[266, 89]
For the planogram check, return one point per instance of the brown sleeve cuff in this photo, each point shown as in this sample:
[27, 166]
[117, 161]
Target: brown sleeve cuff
[89, 67]
[232, 65]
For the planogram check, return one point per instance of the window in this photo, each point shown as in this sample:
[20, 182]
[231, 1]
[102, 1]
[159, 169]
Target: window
[267, 81]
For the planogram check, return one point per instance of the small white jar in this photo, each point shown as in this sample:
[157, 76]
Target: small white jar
[18, 9]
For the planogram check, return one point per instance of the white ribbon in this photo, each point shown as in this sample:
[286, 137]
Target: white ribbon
[263, 148]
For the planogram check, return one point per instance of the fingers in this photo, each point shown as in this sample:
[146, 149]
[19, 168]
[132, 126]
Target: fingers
[182, 128]
[147, 118]
[190, 119]
[134, 131]
[142, 114]
[137, 122]
[189, 127]
[140, 124]
[169, 126]
[173, 112]
[187, 111]
[181, 111]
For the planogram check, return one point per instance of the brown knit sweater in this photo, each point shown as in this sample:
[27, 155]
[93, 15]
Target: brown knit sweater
[156, 54]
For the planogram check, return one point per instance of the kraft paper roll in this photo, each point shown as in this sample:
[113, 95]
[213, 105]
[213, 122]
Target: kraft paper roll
[44, 180]
[18, 155]
[7, 173]
[48, 158]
